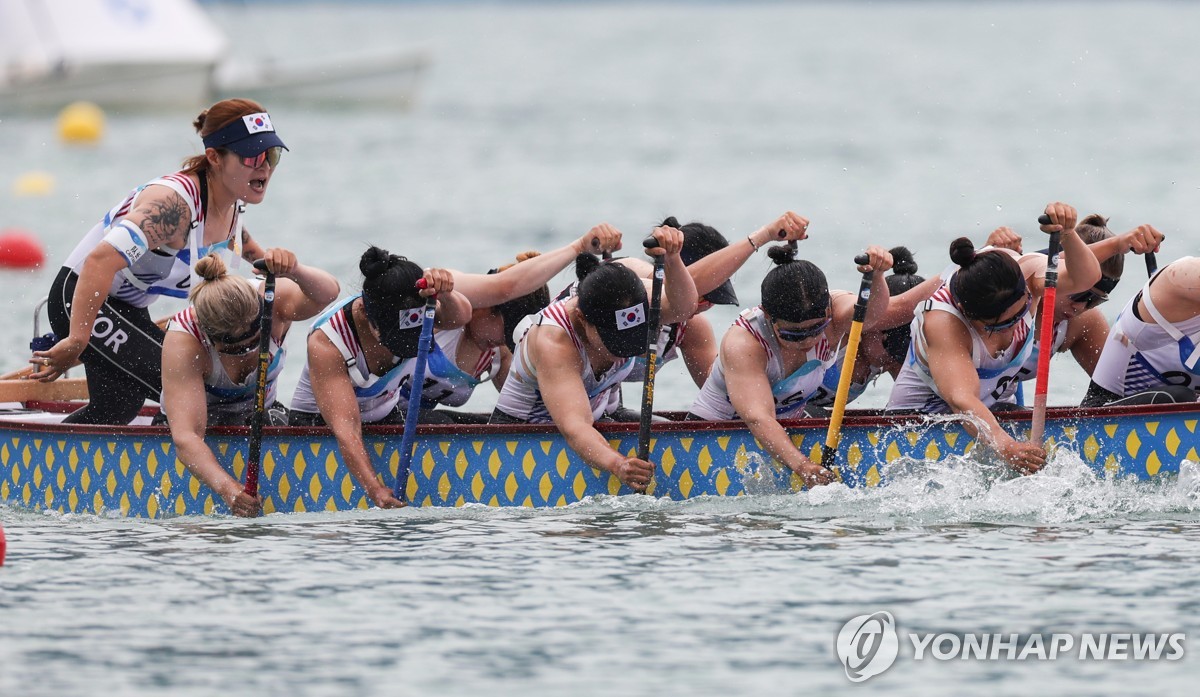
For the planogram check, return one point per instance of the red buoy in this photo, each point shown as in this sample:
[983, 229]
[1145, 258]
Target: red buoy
[20, 250]
[3, 544]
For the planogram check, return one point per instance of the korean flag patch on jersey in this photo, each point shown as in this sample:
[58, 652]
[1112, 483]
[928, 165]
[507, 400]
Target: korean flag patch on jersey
[411, 317]
[258, 123]
[631, 316]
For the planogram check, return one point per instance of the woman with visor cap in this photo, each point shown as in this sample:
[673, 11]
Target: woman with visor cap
[775, 356]
[461, 359]
[210, 359]
[711, 261]
[973, 336]
[357, 355]
[144, 248]
[570, 356]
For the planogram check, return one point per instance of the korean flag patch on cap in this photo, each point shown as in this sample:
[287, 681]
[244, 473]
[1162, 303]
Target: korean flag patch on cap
[631, 316]
[258, 123]
[411, 317]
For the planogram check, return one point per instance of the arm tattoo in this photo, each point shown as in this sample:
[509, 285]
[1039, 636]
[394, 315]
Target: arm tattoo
[165, 220]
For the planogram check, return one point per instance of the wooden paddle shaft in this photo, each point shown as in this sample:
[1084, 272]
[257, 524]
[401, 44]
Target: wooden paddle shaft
[254, 455]
[653, 322]
[834, 435]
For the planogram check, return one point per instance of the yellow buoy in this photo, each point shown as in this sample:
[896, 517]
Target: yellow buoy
[33, 184]
[81, 122]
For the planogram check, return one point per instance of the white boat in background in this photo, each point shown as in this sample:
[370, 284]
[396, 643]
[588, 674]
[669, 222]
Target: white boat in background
[115, 53]
[369, 79]
[167, 54]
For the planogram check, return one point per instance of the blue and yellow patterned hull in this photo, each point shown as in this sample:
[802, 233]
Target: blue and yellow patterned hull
[133, 471]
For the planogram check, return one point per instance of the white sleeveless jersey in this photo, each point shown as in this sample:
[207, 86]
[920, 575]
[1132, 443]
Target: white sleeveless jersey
[827, 394]
[520, 397]
[1143, 355]
[669, 338]
[998, 379]
[445, 382]
[235, 399]
[1028, 371]
[152, 273]
[377, 395]
[791, 392]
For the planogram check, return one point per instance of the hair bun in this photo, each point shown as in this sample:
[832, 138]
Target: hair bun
[962, 252]
[374, 262]
[903, 263]
[210, 267]
[782, 253]
[585, 264]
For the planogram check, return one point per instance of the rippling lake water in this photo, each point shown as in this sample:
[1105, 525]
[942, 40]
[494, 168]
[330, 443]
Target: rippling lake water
[885, 122]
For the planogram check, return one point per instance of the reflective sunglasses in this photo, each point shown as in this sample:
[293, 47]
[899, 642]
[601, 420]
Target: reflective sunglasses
[801, 334]
[270, 156]
[1090, 297]
[1011, 321]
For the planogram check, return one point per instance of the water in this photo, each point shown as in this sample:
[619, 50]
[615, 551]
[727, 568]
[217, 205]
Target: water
[881, 122]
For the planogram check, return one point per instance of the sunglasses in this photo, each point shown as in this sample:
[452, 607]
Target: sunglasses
[1011, 321]
[801, 334]
[270, 156]
[239, 344]
[241, 349]
[1090, 297]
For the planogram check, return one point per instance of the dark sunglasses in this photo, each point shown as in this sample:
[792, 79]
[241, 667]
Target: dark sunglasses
[804, 334]
[240, 349]
[237, 339]
[270, 155]
[1090, 297]
[1011, 321]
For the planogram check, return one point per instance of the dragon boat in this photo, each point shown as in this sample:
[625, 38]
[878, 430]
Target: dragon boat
[134, 471]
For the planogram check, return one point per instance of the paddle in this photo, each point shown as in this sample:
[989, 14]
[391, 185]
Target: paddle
[414, 396]
[834, 435]
[653, 321]
[260, 389]
[1046, 340]
[1151, 264]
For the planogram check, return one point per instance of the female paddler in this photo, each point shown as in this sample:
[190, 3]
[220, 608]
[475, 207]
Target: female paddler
[461, 359]
[210, 358]
[774, 357]
[570, 356]
[972, 337]
[1151, 355]
[1079, 326]
[357, 351]
[883, 348]
[711, 261]
[143, 248]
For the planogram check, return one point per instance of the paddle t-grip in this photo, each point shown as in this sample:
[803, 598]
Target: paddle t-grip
[1044, 219]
